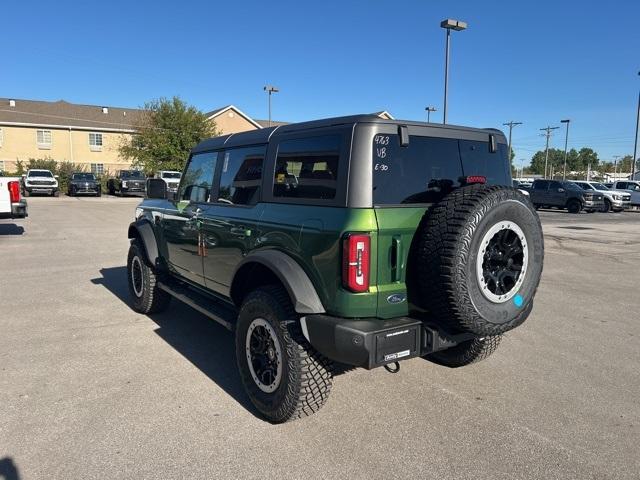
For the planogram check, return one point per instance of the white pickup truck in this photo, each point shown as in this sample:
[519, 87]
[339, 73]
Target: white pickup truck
[12, 205]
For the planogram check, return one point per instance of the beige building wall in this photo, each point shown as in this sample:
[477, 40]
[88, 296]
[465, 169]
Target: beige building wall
[231, 122]
[20, 143]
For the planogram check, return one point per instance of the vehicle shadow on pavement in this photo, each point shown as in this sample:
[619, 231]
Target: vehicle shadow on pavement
[11, 229]
[207, 345]
[8, 469]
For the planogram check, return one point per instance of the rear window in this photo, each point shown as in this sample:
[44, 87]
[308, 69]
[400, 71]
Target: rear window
[430, 167]
[418, 173]
[307, 168]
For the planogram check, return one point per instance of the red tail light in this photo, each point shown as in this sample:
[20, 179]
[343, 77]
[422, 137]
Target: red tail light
[14, 191]
[355, 257]
[471, 179]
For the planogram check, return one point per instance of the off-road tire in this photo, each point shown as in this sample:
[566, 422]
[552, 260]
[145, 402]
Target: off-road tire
[606, 208]
[306, 378]
[151, 298]
[574, 206]
[443, 277]
[467, 352]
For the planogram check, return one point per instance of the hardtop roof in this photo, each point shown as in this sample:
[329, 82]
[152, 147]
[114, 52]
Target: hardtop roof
[262, 136]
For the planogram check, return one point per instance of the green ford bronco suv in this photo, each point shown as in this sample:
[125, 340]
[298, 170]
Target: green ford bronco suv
[351, 241]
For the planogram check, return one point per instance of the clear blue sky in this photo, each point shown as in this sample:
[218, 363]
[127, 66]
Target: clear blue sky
[535, 62]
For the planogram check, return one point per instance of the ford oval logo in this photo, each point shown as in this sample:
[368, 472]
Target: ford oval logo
[396, 298]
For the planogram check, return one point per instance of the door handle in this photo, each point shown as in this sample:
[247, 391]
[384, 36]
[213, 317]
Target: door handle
[240, 231]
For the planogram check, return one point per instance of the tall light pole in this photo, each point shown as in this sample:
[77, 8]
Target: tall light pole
[566, 141]
[270, 89]
[429, 110]
[615, 167]
[511, 124]
[546, 150]
[635, 143]
[449, 24]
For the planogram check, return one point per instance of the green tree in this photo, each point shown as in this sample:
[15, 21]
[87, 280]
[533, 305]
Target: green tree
[166, 132]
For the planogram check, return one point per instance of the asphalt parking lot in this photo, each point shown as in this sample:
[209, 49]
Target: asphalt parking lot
[90, 389]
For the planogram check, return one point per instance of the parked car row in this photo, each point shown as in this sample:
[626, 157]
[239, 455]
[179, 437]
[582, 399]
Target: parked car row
[578, 195]
[126, 182]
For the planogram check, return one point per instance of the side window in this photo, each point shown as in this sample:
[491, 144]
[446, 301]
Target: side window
[197, 180]
[307, 167]
[621, 185]
[241, 175]
[584, 186]
[540, 185]
[555, 186]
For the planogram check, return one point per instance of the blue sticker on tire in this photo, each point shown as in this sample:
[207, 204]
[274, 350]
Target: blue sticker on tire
[518, 300]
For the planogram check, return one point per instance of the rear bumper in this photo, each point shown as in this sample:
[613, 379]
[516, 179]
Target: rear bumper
[19, 209]
[372, 342]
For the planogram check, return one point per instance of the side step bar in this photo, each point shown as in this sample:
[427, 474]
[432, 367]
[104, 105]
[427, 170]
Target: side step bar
[208, 307]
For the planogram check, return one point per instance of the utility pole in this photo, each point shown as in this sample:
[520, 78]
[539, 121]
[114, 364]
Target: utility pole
[635, 143]
[511, 124]
[566, 142]
[546, 150]
[615, 167]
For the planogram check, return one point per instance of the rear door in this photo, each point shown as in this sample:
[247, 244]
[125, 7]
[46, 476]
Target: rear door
[405, 179]
[229, 224]
[557, 196]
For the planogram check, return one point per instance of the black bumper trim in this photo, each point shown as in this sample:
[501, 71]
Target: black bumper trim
[373, 342]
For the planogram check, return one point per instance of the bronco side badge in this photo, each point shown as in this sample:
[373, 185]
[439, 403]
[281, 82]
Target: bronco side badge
[396, 298]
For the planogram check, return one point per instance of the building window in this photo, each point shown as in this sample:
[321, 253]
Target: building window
[95, 142]
[97, 168]
[43, 138]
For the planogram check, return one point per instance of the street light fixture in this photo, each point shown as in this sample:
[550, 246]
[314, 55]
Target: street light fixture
[270, 89]
[429, 110]
[449, 24]
[566, 140]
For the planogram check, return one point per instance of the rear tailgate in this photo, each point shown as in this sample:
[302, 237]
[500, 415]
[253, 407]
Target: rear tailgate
[5, 199]
[396, 229]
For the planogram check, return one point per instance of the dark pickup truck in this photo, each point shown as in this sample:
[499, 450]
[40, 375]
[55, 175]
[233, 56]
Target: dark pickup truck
[559, 194]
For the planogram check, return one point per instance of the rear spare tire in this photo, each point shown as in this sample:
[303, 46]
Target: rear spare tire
[467, 352]
[478, 260]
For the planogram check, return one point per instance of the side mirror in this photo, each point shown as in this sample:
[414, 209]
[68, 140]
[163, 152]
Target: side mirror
[156, 188]
[561, 190]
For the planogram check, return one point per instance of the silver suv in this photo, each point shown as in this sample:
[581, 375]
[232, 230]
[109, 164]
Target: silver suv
[614, 200]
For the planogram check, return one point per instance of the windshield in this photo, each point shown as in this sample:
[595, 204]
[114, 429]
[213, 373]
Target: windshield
[40, 173]
[600, 186]
[171, 175]
[83, 176]
[570, 186]
[132, 174]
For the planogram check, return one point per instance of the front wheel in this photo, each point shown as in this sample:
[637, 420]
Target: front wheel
[607, 206]
[574, 206]
[143, 283]
[283, 375]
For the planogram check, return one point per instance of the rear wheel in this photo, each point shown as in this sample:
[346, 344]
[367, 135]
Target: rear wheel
[467, 352]
[143, 283]
[283, 375]
[574, 206]
[478, 260]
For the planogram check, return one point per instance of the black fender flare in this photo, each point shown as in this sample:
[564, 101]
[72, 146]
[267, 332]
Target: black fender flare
[143, 230]
[303, 294]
